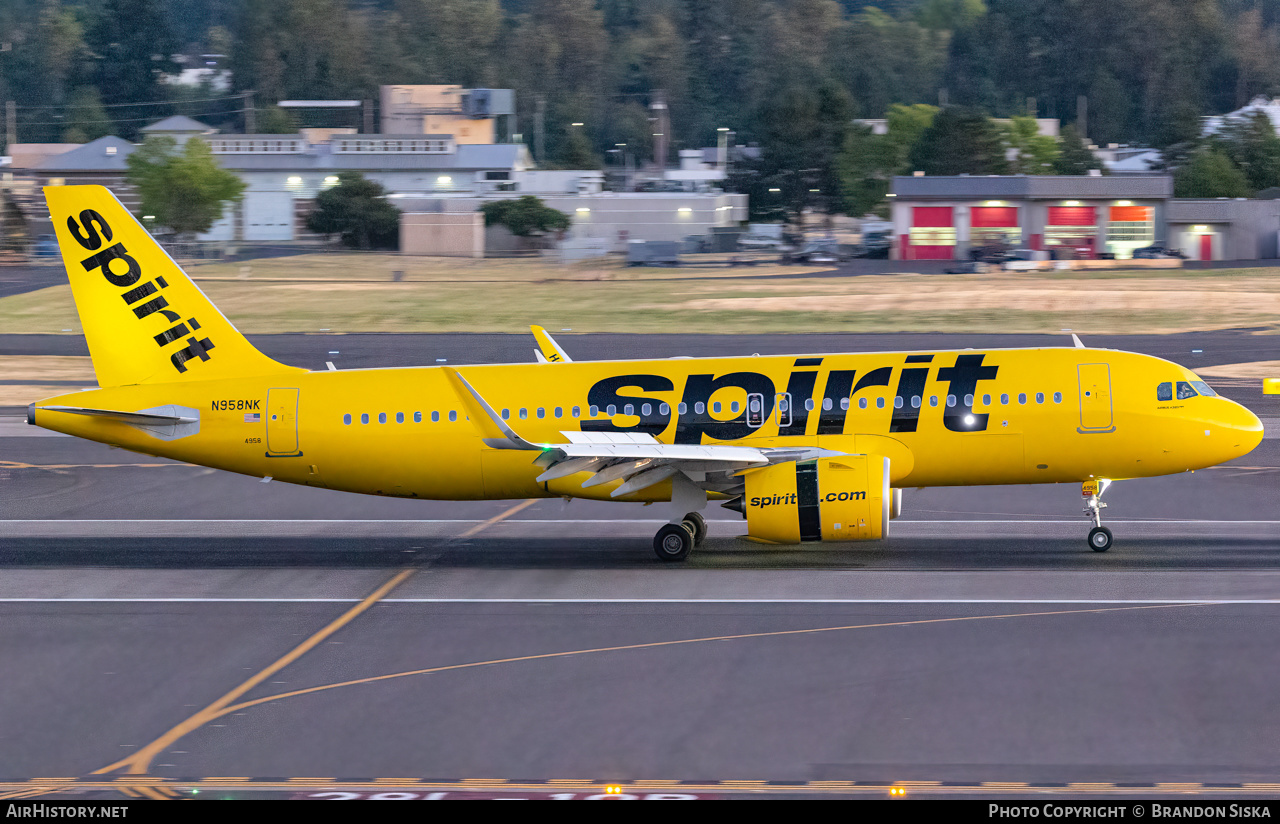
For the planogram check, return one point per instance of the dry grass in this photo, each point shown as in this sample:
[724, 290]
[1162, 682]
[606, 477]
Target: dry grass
[34, 371]
[356, 293]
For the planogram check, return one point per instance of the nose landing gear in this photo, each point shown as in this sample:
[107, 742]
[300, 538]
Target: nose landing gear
[1099, 536]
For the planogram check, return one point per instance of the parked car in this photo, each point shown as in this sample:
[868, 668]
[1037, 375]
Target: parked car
[758, 242]
[1157, 251]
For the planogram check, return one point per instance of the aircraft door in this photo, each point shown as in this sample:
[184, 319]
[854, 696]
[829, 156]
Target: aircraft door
[755, 410]
[282, 423]
[1095, 398]
[783, 402]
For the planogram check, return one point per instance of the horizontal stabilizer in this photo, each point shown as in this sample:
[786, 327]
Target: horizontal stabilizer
[135, 418]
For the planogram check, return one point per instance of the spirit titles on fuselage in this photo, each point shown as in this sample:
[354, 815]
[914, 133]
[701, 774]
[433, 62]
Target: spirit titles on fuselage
[696, 419]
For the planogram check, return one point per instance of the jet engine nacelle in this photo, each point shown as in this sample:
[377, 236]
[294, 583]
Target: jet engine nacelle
[827, 499]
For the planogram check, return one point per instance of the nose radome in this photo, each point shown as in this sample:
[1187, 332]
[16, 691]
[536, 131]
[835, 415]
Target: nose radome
[1245, 430]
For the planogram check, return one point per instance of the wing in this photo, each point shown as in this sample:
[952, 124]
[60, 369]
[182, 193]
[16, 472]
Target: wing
[639, 460]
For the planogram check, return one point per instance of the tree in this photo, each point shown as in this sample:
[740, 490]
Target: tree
[1035, 153]
[960, 141]
[524, 216]
[1074, 158]
[86, 118]
[132, 44]
[1210, 173]
[357, 209]
[1252, 144]
[185, 189]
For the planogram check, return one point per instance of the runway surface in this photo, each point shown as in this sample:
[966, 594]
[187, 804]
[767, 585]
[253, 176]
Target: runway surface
[186, 629]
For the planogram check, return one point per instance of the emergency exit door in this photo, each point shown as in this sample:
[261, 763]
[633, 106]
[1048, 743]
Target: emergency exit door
[282, 423]
[1095, 398]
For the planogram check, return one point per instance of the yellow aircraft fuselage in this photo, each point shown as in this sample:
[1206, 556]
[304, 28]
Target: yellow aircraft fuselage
[1003, 416]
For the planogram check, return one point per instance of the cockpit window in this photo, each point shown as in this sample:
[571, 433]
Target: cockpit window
[1185, 391]
[1203, 389]
[1164, 392]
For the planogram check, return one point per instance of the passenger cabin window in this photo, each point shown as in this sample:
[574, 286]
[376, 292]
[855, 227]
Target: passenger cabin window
[611, 410]
[933, 400]
[417, 417]
[1022, 397]
[595, 410]
[435, 417]
[542, 412]
[897, 402]
[968, 400]
[559, 412]
[1039, 397]
[577, 412]
[1004, 399]
[986, 400]
[715, 407]
[364, 417]
[682, 407]
[524, 414]
[733, 407]
[646, 410]
[1185, 391]
[699, 407]
[382, 417]
[915, 401]
[862, 403]
[506, 414]
[664, 409]
[1057, 397]
[951, 400]
[844, 403]
[880, 403]
[453, 415]
[346, 419]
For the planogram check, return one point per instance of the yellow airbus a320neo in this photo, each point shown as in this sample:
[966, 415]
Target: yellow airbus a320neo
[807, 448]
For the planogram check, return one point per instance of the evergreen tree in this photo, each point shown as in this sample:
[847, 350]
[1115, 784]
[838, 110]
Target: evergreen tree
[960, 141]
[1252, 144]
[133, 48]
[1074, 158]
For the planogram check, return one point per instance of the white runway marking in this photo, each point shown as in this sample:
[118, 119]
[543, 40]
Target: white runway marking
[1206, 601]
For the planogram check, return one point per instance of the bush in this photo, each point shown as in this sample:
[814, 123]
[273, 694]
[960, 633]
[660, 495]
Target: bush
[525, 216]
[357, 210]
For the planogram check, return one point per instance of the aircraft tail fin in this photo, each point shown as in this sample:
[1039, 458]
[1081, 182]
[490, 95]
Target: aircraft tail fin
[145, 321]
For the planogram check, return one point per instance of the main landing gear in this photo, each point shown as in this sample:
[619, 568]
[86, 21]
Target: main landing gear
[1099, 536]
[674, 542]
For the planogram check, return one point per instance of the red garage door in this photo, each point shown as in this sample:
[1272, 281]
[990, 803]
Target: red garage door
[994, 225]
[1072, 231]
[932, 235]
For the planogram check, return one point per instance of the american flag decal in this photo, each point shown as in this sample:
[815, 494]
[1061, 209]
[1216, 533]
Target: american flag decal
[252, 417]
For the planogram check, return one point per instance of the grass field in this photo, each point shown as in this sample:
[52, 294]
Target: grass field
[345, 293]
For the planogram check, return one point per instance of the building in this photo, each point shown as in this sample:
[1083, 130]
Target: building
[944, 218]
[1222, 229]
[467, 115]
[284, 173]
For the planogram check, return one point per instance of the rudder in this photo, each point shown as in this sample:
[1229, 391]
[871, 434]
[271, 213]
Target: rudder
[145, 321]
